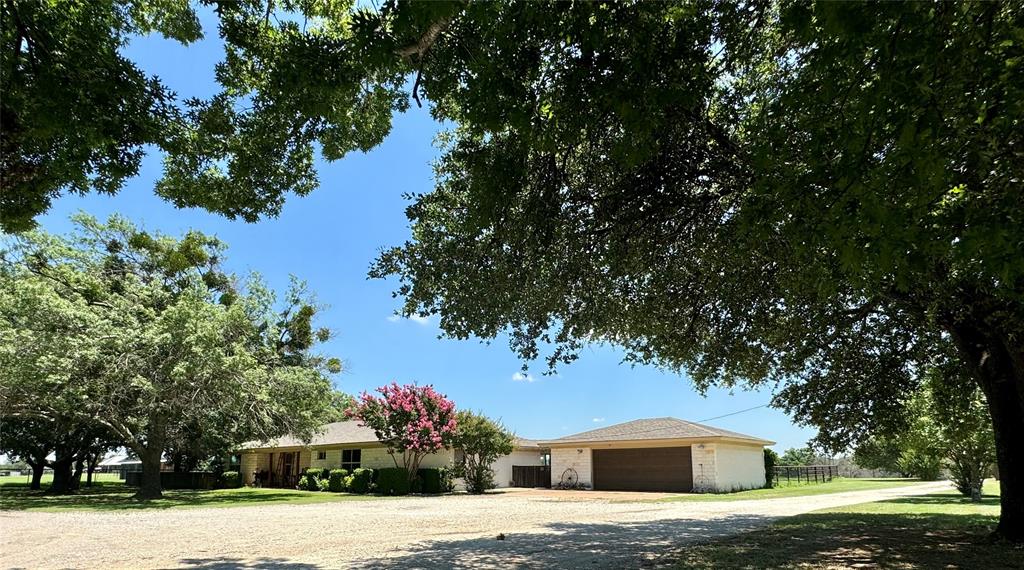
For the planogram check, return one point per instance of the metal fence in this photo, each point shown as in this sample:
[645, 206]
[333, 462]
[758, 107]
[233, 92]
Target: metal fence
[801, 474]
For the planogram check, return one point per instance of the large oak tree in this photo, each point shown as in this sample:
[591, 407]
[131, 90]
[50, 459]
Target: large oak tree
[820, 197]
[146, 336]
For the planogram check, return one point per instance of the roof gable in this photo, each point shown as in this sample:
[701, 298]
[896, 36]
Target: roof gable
[655, 428]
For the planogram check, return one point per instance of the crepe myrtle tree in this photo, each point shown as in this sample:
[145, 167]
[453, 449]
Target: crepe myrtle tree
[818, 195]
[482, 441]
[411, 421]
[146, 336]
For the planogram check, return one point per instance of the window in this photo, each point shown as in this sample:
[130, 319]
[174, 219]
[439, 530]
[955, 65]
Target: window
[321, 455]
[350, 458]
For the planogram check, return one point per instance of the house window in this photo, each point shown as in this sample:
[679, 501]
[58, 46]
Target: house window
[350, 458]
[321, 455]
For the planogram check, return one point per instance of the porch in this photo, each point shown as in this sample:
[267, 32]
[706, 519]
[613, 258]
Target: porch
[280, 469]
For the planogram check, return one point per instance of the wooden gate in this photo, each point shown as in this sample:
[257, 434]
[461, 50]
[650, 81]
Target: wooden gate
[531, 476]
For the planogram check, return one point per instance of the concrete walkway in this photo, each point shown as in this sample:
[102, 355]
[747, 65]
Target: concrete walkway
[541, 531]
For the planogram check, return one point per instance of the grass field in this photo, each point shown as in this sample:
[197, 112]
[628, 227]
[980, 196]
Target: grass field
[835, 486]
[942, 530]
[24, 480]
[111, 494]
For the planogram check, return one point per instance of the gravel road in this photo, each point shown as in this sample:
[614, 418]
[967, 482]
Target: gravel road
[541, 530]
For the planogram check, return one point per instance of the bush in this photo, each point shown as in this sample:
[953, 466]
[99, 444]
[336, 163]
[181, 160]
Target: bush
[323, 485]
[361, 481]
[318, 473]
[230, 480]
[393, 481]
[478, 476]
[337, 480]
[770, 459]
[432, 481]
[309, 482]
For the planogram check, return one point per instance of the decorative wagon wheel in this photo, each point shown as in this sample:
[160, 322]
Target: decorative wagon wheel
[570, 478]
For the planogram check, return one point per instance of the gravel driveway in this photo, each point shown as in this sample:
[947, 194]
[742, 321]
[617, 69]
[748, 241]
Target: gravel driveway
[541, 530]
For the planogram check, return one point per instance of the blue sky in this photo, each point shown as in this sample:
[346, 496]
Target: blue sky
[330, 239]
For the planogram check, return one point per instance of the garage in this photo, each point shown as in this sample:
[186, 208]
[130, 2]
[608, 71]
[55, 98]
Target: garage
[658, 454]
[643, 469]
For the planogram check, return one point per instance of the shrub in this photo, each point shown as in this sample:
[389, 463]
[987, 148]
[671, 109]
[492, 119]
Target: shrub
[337, 480]
[323, 485]
[230, 480]
[433, 481]
[393, 481]
[770, 459]
[309, 482]
[318, 473]
[361, 481]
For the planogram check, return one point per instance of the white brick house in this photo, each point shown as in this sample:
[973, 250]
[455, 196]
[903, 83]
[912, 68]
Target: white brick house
[347, 445]
[659, 454]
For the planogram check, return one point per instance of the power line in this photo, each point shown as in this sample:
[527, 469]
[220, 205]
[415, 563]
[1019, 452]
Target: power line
[734, 413]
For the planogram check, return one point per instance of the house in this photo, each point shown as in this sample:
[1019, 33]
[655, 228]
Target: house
[348, 445]
[659, 454]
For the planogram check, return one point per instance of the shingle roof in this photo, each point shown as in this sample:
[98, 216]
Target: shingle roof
[342, 433]
[337, 433]
[654, 428]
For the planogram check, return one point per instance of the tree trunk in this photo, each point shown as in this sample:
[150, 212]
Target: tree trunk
[150, 487]
[76, 476]
[62, 474]
[37, 473]
[998, 366]
[91, 464]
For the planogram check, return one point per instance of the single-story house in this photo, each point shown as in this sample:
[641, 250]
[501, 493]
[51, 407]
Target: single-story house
[348, 445]
[659, 454]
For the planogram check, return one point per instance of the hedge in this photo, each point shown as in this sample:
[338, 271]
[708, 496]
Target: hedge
[393, 481]
[230, 480]
[432, 481]
[337, 480]
[318, 472]
[360, 481]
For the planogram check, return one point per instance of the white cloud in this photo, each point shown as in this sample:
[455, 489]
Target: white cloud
[520, 377]
[419, 319]
[597, 420]
[414, 318]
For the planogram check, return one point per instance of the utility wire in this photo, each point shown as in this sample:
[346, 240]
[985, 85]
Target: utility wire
[734, 413]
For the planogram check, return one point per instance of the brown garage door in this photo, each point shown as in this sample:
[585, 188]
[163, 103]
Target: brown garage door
[647, 469]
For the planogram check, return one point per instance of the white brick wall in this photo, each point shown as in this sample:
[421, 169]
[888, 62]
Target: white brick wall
[564, 458]
[705, 468]
[740, 467]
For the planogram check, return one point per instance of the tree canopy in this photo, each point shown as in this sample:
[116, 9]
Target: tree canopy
[822, 197]
[146, 336]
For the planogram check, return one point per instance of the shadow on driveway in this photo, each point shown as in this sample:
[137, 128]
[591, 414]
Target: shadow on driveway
[226, 563]
[568, 545]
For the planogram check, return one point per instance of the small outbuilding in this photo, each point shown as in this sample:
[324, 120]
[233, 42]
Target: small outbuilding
[659, 454]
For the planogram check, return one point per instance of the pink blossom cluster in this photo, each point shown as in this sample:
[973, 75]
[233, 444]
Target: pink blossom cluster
[408, 418]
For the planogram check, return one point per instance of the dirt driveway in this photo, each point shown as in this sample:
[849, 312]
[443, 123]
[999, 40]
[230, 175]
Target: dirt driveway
[541, 530]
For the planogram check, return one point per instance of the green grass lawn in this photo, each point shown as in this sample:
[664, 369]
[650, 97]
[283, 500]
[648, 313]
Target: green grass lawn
[838, 485]
[112, 495]
[942, 530]
[24, 480]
